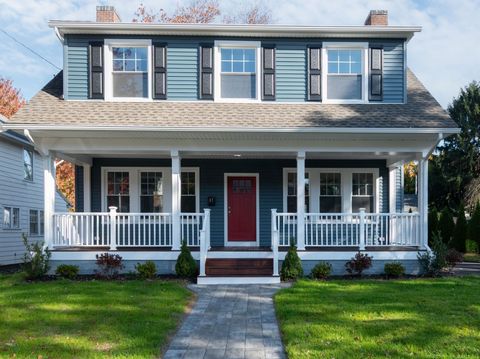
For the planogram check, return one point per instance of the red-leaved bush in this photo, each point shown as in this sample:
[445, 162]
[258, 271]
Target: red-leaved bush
[108, 265]
[358, 264]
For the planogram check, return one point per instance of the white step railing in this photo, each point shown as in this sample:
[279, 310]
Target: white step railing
[204, 242]
[190, 227]
[350, 229]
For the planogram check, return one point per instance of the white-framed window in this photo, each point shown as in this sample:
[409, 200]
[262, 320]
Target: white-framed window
[237, 77]
[128, 69]
[27, 164]
[330, 192]
[291, 192]
[362, 192]
[36, 222]
[148, 189]
[345, 79]
[11, 217]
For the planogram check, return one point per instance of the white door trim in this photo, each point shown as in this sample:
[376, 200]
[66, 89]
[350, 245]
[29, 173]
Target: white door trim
[225, 210]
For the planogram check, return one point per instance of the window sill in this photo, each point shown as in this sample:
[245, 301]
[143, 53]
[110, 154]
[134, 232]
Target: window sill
[239, 100]
[128, 99]
[344, 102]
[12, 229]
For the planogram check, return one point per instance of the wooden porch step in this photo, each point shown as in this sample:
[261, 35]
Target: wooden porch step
[238, 267]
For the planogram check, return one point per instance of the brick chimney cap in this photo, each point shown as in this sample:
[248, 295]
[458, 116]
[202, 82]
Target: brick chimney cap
[378, 12]
[377, 18]
[105, 8]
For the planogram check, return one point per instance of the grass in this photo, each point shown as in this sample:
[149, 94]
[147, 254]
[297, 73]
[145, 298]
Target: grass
[422, 318]
[472, 257]
[90, 319]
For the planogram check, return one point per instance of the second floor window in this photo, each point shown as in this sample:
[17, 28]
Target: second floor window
[345, 74]
[27, 164]
[130, 72]
[11, 218]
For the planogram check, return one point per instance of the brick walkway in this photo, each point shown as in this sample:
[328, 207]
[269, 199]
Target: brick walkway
[230, 322]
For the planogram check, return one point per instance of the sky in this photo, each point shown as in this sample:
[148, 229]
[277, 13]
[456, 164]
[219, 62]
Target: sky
[445, 55]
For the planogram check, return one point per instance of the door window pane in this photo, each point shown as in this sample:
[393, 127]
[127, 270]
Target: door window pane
[362, 192]
[330, 193]
[118, 191]
[151, 192]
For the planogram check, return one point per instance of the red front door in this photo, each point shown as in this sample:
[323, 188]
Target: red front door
[242, 208]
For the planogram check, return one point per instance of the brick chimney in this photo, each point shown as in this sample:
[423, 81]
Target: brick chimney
[107, 14]
[377, 18]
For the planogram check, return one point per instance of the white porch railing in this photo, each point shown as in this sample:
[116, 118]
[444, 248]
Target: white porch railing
[350, 229]
[204, 242]
[124, 229]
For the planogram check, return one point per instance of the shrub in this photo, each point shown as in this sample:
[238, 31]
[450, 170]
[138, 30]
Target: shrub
[453, 257]
[147, 270]
[109, 265]
[292, 265]
[471, 246]
[36, 260]
[358, 264]
[474, 227]
[432, 223]
[460, 231]
[394, 269]
[322, 270]
[186, 266]
[433, 262]
[67, 271]
[446, 225]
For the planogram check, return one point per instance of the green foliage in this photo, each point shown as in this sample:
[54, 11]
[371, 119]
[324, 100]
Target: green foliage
[67, 271]
[147, 270]
[460, 232]
[359, 263]
[471, 246]
[322, 270]
[36, 260]
[394, 270]
[433, 262]
[108, 265]
[292, 265]
[432, 222]
[446, 225]
[474, 227]
[186, 266]
[453, 257]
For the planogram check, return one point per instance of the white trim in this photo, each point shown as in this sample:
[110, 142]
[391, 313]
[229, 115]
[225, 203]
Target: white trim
[226, 242]
[50, 191]
[87, 186]
[218, 65]
[108, 62]
[237, 280]
[392, 189]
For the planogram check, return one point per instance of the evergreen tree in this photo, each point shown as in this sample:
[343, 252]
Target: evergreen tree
[292, 265]
[474, 226]
[186, 266]
[432, 223]
[460, 232]
[446, 225]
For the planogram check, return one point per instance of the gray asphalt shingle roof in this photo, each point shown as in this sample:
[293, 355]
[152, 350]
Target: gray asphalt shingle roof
[48, 108]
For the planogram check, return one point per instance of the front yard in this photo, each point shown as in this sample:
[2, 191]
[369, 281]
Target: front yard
[91, 319]
[422, 318]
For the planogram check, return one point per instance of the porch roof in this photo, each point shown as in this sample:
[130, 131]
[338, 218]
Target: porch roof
[47, 108]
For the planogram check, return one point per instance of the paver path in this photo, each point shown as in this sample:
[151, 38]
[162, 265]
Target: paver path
[467, 268]
[230, 322]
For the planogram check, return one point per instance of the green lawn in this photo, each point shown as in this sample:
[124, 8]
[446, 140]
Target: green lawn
[472, 257]
[422, 318]
[91, 319]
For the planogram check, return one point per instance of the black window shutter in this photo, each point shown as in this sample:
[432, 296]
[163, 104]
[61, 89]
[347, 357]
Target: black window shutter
[206, 72]
[268, 83]
[159, 71]
[314, 74]
[96, 66]
[375, 83]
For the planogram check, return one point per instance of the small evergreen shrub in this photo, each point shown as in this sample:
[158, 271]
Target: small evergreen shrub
[432, 223]
[147, 270]
[358, 264]
[108, 265]
[432, 263]
[322, 270]
[474, 227]
[36, 260]
[446, 225]
[453, 257]
[292, 265]
[471, 246]
[460, 231]
[394, 270]
[186, 266]
[67, 271]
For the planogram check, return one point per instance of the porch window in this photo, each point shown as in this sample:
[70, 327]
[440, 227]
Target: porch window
[27, 164]
[118, 190]
[11, 218]
[330, 193]
[188, 200]
[362, 192]
[292, 192]
[345, 74]
[151, 192]
[34, 222]
[130, 72]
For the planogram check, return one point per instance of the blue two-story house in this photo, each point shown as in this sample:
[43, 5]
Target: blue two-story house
[237, 139]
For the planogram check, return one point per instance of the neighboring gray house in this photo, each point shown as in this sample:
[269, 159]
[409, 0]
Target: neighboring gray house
[237, 139]
[21, 195]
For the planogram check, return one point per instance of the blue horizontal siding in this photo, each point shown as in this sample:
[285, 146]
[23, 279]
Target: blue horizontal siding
[77, 69]
[182, 71]
[290, 72]
[393, 72]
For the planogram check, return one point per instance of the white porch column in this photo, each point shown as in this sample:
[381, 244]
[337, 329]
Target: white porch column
[176, 200]
[87, 205]
[423, 200]
[49, 189]
[301, 200]
[392, 189]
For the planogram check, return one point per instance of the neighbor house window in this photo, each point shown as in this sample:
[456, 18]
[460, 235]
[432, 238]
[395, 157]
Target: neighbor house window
[362, 192]
[151, 192]
[330, 193]
[188, 201]
[292, 192]
[118, 190]
[11, 218]
[345, 74]
[34, 222]
[238, 72]
[42, 222]
[130, 72]
[27, 164]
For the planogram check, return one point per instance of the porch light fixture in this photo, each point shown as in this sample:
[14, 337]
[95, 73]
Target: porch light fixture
[237, 155]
